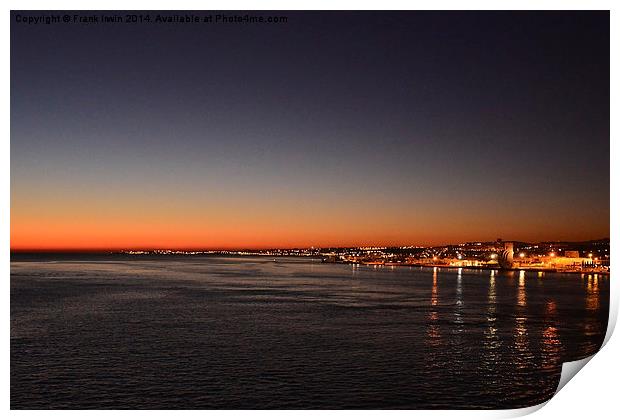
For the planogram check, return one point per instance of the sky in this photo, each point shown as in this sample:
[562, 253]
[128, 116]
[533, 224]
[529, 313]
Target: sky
[331, 129]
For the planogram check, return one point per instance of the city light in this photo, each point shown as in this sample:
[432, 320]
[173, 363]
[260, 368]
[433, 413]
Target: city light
[467, 255]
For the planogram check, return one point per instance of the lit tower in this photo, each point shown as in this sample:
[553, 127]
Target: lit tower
[506, 256]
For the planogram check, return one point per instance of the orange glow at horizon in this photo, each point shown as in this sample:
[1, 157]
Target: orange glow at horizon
[45, 219]
[107, 232]
[152, 234]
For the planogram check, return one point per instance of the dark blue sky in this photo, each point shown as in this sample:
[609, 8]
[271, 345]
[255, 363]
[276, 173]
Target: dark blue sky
[331, 128]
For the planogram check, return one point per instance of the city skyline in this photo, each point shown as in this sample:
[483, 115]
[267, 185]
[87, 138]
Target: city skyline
[403, 246]
[330, 129]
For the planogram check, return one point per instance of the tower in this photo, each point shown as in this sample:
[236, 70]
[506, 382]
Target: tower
[506, 256]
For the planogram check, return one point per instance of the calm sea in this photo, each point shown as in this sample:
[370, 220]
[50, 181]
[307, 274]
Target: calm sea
[210, 332]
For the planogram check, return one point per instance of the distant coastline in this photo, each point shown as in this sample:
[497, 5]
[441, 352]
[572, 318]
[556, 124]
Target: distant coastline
[324, 258]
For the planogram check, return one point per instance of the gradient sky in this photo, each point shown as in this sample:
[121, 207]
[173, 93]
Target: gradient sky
[330, 129]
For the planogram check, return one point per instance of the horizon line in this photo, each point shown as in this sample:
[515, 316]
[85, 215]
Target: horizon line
[255, 248]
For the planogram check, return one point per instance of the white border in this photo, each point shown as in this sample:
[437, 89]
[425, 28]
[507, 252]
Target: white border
[592, 394]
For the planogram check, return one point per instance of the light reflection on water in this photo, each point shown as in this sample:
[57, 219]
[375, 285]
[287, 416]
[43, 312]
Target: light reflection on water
[551, 344]
[593, 307]
[522, 343]
[458, 308]
[592, 295]
[205, 332]
[491, 340]
[433, 332]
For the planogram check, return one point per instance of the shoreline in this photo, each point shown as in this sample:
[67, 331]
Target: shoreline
[475, 267]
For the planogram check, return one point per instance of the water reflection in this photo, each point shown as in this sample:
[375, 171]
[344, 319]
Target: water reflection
[457, 337]
[522, 345]
[592, 293]
[434, 298]
[551, 344]
[458, 309]
[433, 333]
[521, 296]
[491, 339]
[592, 326]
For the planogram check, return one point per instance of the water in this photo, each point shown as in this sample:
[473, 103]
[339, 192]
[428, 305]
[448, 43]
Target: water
[208, 332]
